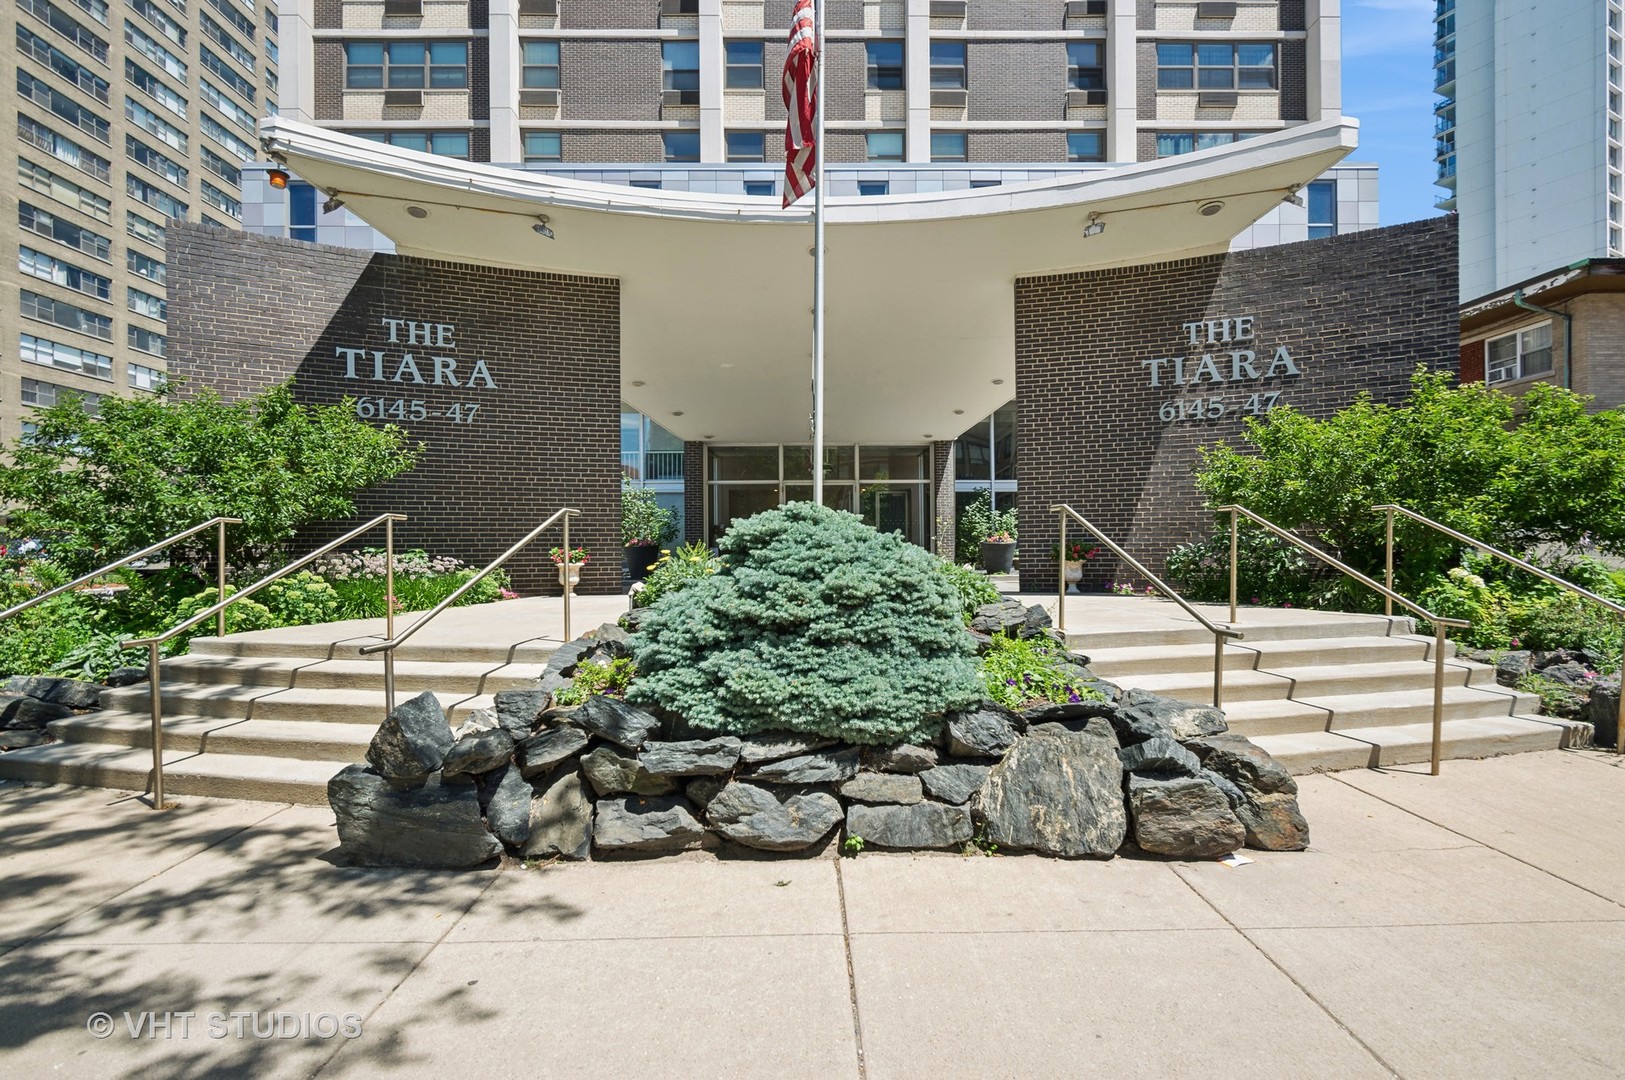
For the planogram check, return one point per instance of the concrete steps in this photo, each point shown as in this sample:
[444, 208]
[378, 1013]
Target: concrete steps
[220, 776]
[1331, 692]
[354, 706]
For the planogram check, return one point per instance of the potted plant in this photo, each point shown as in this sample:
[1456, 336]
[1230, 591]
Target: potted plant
[646, 526]
[996, 530]
[569, 576]
[999, 552]
[1075, 556]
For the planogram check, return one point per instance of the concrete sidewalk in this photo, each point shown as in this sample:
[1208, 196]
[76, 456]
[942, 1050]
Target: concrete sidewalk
[1469, 925]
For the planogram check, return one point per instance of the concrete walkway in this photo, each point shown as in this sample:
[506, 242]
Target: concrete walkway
[1470, 925]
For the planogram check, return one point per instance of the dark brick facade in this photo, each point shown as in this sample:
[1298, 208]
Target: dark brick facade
[693, 492]
[248, 311]
[1016, 80]
[942, 499]
[1357, 313]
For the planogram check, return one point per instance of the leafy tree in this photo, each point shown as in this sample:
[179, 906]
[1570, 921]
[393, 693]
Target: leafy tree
[98, 487]
[1451, 453]
[815, 623]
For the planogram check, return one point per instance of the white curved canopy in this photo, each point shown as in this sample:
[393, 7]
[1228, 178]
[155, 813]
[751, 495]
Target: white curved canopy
[716, 290]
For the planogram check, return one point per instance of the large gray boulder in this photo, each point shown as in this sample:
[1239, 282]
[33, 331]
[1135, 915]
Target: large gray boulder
[759, 749]
[873, 787]
[902, 758]
[412, 741]
[611, 774]
[507, 814]
[821, 767]
[560, 819]
[691, 757]
[954, 783]
[519, 710]
[19, 713]
[1058, 793]
[545, 749]
[74, 693]
[768, 821]
[925, 826]
[646, 825]
[986, 731]
[478, 752]
[1270, 811]
[429, 825]
[1143, 715]
[1011, 618]
[17, 738]
[1183, 817]
[620, 723]
[1603, 712]
[1159, 755]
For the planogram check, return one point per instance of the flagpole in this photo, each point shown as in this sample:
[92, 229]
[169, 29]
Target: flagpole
[818, 266]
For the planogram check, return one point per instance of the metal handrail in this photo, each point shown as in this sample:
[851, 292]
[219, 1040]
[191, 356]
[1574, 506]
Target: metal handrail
[1220, 634]
[219, 523]
[1391, 509]
[388, 647]
[153, 644]
[1440, 623]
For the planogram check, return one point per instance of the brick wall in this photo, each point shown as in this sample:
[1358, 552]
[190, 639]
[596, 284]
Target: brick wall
[1599, 347]
[693, 492]
[1013, 15]
[942, 499]
[329, 95]
[1145, 81]
[611, 146]
[546, 436]
[846, 67]
[609, 15]
[1024, 146]
[1292, 15]
[1016, 80]
[609, 80]
[1357, 313]
[1472, 362]
[1294, 80]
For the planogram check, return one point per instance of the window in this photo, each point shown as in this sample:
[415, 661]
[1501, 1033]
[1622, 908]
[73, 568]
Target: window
[144, 340]
[64, 24]
[744, 65]
[44, 395]
[243, 24]
[143, 228]
[760, 188]
[747, 146]
[36, 134]
[947, 65]
[147, 267]
[444, 143]
[47, 183]
[681, 145]
[212, 129]
[884, 145]
[149, 84]
[145, 378]
[67, 316]
[221, 201]
[50, 268]
[1086, 146]
[1172, 143]
[1519, 355]
[52, 354]
[166, 26]
[1322, 209]
[544, 146]
[150, 122]
[874, 187]
[680, 66]
[1085, 66]
[885, 65]
[984, 183]
[31, 44]
[142, 303]
[647, 185]
[233, 111]
[541, 65]
[302, 212]
[405, 65]
[139, 152]
[241, 86]
[44, 95]
[948, 146]
[96, 9]
[148, 46]
[1215, 66]
[233, 47]
[64, 232]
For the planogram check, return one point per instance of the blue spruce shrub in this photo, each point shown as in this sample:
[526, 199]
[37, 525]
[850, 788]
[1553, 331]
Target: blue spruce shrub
[816, 624]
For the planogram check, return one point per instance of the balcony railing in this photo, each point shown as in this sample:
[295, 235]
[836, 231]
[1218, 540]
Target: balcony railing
[654, 465]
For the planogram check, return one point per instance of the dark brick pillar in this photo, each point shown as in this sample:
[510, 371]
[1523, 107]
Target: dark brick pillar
[693, 492]
[942, 488]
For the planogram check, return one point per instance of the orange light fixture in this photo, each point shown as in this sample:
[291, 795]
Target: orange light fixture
[278, 178]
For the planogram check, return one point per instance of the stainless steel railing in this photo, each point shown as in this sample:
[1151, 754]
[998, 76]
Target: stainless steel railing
[388, 647]
[1221, 634]
[1618, 609]
[1439, 622]
[218, 611]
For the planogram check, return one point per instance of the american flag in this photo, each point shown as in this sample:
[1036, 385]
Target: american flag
[801, 101]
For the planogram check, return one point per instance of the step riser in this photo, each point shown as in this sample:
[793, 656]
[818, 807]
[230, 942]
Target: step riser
[220, 741]
[1082, 638]
[128, 779]
[459, 654]
[457, 707]
[1379, 651]
[316, 679]
[1281, 689]
[1312, 719]
[1363, 756]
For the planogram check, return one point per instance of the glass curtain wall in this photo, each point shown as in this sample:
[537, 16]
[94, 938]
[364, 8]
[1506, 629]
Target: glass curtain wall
[652, 457]
[985, 457]
[888, 486]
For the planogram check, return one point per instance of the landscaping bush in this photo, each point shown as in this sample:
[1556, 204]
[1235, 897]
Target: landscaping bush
[643, 519]
[815, 623]
[421, 581]
[676, 569]
[1021, 672]
[972, 585]
[595, 677]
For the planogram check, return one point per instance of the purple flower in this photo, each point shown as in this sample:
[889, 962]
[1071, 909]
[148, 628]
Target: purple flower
[1009, 682]
[1072, 696]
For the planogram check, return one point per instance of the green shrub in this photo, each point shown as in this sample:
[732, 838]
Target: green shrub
[1018, 673]
[676, 569]
[1463, 594]
[1268, 571]
[643, 519]
[593, 677]
[301, 599]
[973, 587]
[95, 656]
[1556, 698]
[421, 581]
[1562, 620]
[815, 623]
[241, 617]
[978, 521]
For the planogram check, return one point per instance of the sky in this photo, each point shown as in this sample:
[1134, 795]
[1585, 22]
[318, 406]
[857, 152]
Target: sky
[1388, 87]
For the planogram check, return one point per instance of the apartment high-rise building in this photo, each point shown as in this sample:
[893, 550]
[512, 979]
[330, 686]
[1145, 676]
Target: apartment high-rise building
[128, 114]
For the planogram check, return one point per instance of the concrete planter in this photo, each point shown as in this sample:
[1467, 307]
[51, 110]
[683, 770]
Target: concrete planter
[639, 558]
[998, 557]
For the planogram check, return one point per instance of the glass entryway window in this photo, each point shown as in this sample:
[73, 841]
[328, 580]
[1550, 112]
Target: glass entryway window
[652, 457]
[985, 457]
[888, 486]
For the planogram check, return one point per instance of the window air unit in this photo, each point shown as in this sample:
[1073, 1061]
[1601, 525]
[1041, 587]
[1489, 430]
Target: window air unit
[403, 9]
[539, 7]
[1215, 11]
[680, 97]
[949, 99]
[1216, 99]
[544, 98]
[948, 9]
[403, 99]
[1075, 98]
[1077, 9]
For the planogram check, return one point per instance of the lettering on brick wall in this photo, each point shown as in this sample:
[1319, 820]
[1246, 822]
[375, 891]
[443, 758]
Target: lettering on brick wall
[417, 363]
[1222, 372]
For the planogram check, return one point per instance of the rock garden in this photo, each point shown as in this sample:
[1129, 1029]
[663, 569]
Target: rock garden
[815, 684]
